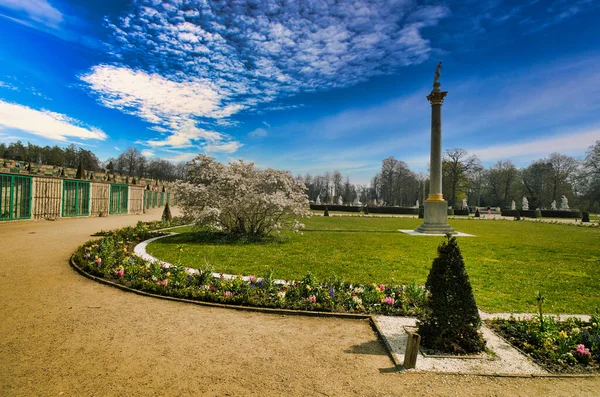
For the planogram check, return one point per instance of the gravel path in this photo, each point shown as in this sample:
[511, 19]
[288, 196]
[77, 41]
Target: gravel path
[62, 334]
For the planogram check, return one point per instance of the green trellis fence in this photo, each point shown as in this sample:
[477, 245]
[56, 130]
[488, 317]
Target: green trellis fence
[76, 198]
[119, 195]
[15, 197]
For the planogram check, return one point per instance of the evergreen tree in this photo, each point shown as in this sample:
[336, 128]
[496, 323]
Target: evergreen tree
[166, 215]
[451, 321]
[80, 173]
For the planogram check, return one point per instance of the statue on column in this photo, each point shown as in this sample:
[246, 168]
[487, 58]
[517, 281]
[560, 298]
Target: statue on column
[437, 74]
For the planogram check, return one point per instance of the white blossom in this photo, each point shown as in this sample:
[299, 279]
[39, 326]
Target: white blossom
[239, 198]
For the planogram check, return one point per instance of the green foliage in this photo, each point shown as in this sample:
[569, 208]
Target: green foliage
[450, 322]
[506, 261]
[540, 304]
[111, 258]
[166, 215]
[568, 346]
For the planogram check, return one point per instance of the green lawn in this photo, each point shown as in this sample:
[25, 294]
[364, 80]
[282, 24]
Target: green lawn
[507, 261]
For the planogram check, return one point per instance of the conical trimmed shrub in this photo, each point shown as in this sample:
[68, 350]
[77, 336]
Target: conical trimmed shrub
[80, 172]
[477, 213]
[450, 322]
[166, 215]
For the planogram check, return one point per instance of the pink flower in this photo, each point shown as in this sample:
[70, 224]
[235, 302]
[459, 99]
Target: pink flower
[163, 283]
[165, 265]
[252, 278]
[98, 261]
[381, 287]
[312, 299]
[583, 351]
[388, 300]
[227, 294]
[88, 255]
[120, 272]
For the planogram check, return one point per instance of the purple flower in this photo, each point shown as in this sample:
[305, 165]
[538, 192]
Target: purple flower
[331, 292]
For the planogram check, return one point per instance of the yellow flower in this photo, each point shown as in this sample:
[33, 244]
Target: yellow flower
[563, 334]
[168, 274]
[308, 287]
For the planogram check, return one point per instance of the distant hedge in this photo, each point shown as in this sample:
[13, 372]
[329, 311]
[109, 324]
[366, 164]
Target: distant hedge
[525, 213]
[561, 214]
[372, 210]
[335, 207]
[544, 213]
[461, 212]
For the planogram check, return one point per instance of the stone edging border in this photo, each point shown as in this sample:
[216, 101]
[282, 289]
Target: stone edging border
[347, 316]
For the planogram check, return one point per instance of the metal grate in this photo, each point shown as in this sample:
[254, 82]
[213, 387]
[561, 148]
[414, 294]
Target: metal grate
[118, 199]
[15, 197]
[76, 198]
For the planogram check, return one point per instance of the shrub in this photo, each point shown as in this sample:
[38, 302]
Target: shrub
[477, 213]
[80, 173]
[451, 321]
[166, 215]
[585, 217]
[240, 199]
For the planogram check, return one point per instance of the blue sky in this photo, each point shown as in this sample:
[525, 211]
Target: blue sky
[307, 86]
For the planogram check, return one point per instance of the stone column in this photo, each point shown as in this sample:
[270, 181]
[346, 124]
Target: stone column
[436, 98]
[435, 207]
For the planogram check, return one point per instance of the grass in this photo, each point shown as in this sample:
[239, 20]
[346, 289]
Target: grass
[507, 261]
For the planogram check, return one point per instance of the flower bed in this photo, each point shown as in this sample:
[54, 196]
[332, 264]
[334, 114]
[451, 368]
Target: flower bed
[149, 226]
[571, 346]
[112, 258]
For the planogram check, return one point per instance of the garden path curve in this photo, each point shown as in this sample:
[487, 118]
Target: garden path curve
[63, 334]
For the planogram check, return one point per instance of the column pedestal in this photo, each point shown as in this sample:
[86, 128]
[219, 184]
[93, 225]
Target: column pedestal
[435, 218]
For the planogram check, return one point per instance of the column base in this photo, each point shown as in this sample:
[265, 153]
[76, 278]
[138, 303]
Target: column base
[435, 218]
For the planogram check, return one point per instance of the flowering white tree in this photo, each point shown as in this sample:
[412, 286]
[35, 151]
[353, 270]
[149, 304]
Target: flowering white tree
[241, 199]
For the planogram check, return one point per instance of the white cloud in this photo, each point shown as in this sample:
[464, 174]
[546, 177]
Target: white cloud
[117, 149]
[258, 132]
[45, 123]
[8, 86]
[566, 142]
[155, 98]
[38, 10]
[229, 147]
[254, 53]
[173, 106]
[267, 124]
[188, 135]
[147, 153]
[181, 157]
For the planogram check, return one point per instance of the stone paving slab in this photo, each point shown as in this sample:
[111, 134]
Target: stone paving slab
[415, 233]
[506, 359]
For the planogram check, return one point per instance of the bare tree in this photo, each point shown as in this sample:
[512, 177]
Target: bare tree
[455, 167]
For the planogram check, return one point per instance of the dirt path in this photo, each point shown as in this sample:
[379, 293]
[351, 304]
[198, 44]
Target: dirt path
[62, 334]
